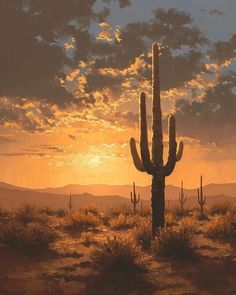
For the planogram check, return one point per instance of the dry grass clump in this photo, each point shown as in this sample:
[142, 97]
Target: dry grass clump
[116, 211]
[145, 212]
[79, 221]
[117, 254]
[122, 222]
[178, 213]
[189, 224]
[91, 208]
[31, 237]
[170, 219]
[143, 234]
[222, 227]
[52, 211]
[174, 242]
[220, 208]
[30, 214]
[87, 239]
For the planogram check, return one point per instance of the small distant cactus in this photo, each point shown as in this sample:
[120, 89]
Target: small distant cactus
[201, 198]
[182, 197]
[70, 204]
[134, 199]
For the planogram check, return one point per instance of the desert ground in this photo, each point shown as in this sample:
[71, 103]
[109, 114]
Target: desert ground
[46, 251]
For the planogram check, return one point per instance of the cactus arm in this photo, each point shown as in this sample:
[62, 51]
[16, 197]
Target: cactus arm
[170, 165]
[131, 198]
[180, 151]
[145, 154]
[136, 159]
[185, 199]
[204, 200]
[138, 198]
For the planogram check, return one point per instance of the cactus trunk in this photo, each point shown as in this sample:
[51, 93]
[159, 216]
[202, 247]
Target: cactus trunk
[134, 199]
[158, 202]
[201, 198]
[182, 198]
[154, 165]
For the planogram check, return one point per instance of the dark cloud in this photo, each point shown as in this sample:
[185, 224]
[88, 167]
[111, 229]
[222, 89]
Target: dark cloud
[181, 55]
[224, 50]
[31, 52]
[122, 3]
[213, 119]
[33, 59]
[215, 12]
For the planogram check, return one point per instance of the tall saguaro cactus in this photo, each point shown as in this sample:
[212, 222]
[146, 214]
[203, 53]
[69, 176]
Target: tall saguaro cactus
[134, 199]
[154, 165]
[201, 198]
[182, 197]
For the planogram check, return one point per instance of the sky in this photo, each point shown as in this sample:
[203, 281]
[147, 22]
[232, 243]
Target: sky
[70, 77]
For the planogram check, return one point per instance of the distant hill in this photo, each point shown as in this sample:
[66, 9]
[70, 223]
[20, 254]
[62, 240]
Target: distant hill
[192, 201]
[11, 199]
[106, 195]
[172, 192]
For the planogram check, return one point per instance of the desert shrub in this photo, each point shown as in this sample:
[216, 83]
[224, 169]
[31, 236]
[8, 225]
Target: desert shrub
[173, 242]
[220, 208]
[87, 239]
[4, 213]
[79, 221]
[11, 233]
[117, 254]
[123, 222]
[198, 216]
[116, 211]
[31, 237]
[222, 227]
[170, 219]
[189, 224]
[178, 213]
[52, 211]
[91, 208]
[143, 234]
[29, 213]
[145, 212]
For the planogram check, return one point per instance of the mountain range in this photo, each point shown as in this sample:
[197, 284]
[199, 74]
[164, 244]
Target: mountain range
[105, 196]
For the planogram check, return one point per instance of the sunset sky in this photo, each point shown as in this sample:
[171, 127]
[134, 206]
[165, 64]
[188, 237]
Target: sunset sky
[70, 77]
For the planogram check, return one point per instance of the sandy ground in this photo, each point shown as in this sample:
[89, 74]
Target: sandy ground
[66, 269]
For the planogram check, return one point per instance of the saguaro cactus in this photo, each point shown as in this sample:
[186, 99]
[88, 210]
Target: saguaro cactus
[201, 198]
[134, 199]
[182, 197]
[154, 166]
[70, 205]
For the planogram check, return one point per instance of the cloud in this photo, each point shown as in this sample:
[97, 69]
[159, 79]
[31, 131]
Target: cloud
[211, 120]
[41, 81]
[6, 139]
[223, 51]
[37, 151]
[122, 3]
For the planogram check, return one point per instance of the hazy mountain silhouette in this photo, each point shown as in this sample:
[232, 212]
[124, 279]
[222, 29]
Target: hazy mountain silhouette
[105, 196]
[172, 192]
